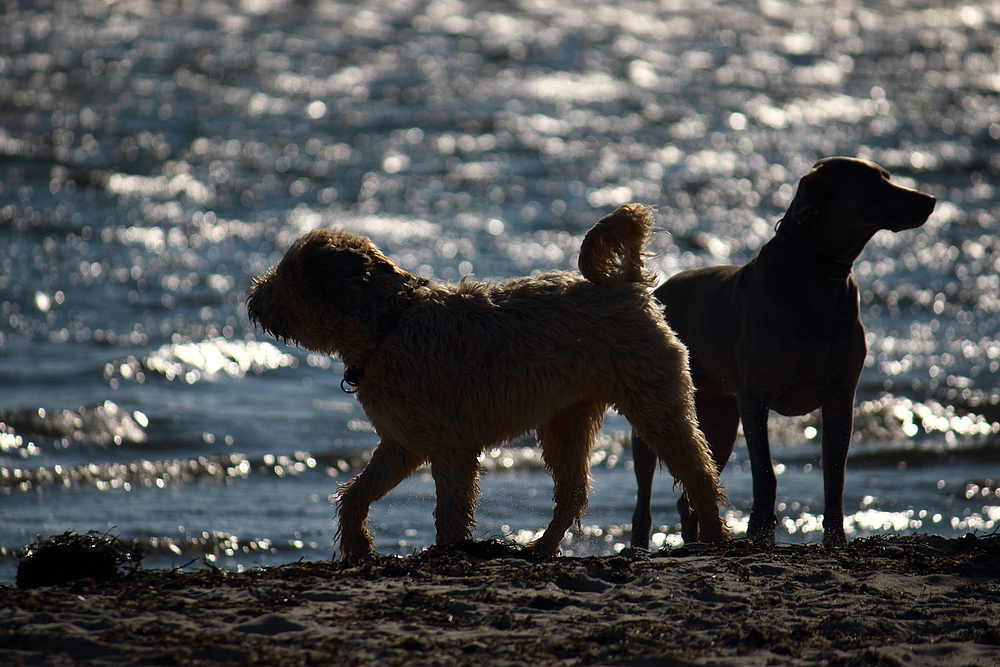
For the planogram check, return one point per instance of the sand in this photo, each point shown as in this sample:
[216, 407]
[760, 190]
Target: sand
[914, 600]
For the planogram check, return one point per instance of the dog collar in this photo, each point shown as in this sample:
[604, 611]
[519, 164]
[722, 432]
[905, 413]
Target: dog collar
[352, 378]
[353, 374]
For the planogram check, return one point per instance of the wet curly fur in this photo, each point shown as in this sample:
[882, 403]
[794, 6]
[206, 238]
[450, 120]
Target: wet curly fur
[445, 372]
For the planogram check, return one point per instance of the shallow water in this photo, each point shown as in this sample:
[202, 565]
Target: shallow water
[154, 159]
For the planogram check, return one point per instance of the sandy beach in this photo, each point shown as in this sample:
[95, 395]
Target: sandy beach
[913, 600]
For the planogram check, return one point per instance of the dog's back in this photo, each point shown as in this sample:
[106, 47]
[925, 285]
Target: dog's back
[612, 250]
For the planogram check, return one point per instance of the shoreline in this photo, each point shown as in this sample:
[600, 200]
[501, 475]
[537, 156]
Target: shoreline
[909, 600]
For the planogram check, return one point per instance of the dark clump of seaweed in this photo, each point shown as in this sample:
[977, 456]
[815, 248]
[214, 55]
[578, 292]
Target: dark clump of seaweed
[70, 557]
[489, 549]
[459, 559]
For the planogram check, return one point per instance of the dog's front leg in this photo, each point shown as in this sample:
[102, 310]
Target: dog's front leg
[390, 464]
[838, 427]
[456, 480]
[753, 413]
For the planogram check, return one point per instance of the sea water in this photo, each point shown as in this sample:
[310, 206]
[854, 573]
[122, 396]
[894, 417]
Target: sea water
[154, 157]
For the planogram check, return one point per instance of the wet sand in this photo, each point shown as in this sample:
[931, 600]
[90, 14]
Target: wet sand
[913, 600]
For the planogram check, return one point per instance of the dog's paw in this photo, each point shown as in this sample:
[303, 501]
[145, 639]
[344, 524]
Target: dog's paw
[760, 532]
[711, 532]
[761, 539]
[833, 539]
[357, 558]
[356, 554]
[542, 549]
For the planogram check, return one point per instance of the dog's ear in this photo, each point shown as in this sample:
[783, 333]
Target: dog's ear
[358, 282]
[332, 265]
[814, 189]
[336, 275]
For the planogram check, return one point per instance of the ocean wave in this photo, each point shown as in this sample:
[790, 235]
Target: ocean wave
[897, 419]
[124, 476]
[159, 474]
[192, 362]
[108, 425]
[219, 545]
[608, 452]
[907, 455]
[105, 424]
[212, 547]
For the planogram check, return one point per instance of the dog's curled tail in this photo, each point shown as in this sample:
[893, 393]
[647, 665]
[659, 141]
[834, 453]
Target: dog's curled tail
[612, 250]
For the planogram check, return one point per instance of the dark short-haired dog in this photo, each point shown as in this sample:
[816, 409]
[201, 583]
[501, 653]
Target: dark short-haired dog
[783, 333]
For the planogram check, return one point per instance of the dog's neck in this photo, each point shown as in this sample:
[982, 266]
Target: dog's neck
[381, 329]
[791, 236]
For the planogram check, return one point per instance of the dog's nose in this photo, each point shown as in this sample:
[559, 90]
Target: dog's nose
[927, 204]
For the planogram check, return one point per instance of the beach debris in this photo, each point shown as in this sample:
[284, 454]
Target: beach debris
[70, 557]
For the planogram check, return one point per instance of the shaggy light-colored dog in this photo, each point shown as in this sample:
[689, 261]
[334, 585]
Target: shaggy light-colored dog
[445, 372]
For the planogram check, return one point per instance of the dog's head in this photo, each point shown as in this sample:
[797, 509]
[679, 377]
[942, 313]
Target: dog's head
[332, 292]
[858, 196]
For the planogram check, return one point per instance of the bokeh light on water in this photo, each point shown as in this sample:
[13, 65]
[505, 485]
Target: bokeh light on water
[153, 158]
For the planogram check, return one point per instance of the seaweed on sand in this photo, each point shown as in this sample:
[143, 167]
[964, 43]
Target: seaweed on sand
[70, 557]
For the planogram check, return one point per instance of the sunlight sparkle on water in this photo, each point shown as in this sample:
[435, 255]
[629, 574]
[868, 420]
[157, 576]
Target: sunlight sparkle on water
[157, 160]
[206, 359]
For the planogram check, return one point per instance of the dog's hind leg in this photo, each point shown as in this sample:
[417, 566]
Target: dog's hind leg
[754, 412]
[669, 430]
[645, 462]
[718, 419]
[456, 478]
[565, 440]
[390, 464]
